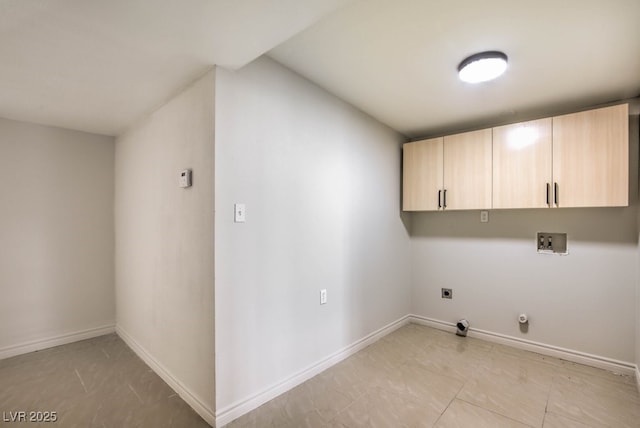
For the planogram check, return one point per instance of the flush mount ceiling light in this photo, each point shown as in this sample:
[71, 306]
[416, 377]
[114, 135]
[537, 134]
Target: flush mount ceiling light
[482, 66]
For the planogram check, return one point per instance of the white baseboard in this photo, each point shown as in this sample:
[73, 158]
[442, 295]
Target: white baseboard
[50, 342]
[239, 408]
[621, 367]
[205, 411]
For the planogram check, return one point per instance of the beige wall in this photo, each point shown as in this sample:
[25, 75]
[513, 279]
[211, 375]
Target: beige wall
[164, 242]
[56, 236]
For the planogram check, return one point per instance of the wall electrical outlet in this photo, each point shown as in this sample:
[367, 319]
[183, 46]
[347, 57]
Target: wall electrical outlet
[447, 293]
[484, 216]
[323, 296]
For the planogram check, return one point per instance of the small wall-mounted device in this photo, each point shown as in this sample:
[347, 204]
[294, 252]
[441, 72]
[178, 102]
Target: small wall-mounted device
[185, 178]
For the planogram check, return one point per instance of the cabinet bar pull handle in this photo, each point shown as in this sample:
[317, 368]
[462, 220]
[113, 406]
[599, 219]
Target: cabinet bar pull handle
[555, 193]
[439, 195]
[445, 199]
[548, 189]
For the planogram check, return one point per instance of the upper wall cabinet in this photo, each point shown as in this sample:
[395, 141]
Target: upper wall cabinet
[422, 175]
[575, 160]
[453, 172]
[467, 171]
[522, 165]
[591, 158]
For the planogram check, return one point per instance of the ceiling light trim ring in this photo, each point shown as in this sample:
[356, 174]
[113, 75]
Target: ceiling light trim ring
[473, 61]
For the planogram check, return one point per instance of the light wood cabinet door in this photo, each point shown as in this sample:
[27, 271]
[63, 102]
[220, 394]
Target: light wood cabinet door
[422, 175]
[591, 158]
[467, 170]
[522, 165]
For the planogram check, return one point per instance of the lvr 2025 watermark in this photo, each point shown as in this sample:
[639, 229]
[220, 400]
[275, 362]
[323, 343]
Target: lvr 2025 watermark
[23, 416]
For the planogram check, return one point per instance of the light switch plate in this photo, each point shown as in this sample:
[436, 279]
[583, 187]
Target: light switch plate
[240, 215]
[185, 178]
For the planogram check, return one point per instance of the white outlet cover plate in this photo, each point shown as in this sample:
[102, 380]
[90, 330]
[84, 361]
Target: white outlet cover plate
[484, 216]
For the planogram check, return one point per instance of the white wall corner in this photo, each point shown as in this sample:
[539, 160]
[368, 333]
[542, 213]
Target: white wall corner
[203, 409]
[241, 407]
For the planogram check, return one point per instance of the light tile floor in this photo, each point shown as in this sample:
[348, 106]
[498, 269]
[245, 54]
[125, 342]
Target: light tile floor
[422, 377]
[414, 377]
[92, 383]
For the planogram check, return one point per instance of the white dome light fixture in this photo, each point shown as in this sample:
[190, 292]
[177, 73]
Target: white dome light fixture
[482, 66]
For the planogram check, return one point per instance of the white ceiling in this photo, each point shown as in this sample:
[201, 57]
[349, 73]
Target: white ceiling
[98, 65]
[397, 59]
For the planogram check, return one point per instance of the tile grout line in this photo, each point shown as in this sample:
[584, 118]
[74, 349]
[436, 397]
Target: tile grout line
[355, 400]
[490, 356]
[496, 413]
[451, 401]
[489, 352]
[546, 404]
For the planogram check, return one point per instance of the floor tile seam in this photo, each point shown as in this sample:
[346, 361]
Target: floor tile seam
[595, 391]
[464, 384]
[612, 383]
[593, 418]
[600, 373]
[314, 403]
[498, 405]
[541, 381]
[568, 417]
[347, 407]
[528, 355]
[292, 419]
[407, 397]
[288, 396]
[546, 404]
[448, 404]
[546, 364]
[404, 397]
[497, 413]
[626, 391]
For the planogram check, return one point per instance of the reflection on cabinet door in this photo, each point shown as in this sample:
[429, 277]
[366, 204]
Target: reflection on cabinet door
[591, 158]
[467, 170]
[522, 165]
[422, 175]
